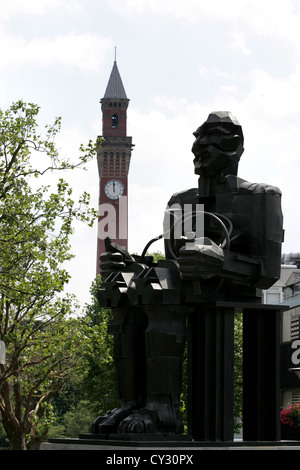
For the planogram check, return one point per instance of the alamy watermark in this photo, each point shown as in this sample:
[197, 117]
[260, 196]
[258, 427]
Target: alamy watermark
[295, 358]
[178, 221]
[107, 224]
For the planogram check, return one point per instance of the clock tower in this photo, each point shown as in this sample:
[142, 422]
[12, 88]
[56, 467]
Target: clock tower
[113, 155]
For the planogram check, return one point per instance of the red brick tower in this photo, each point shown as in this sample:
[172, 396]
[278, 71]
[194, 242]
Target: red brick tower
[113, 155]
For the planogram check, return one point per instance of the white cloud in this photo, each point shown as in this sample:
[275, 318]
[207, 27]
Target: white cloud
[214, 73]
[272, 18]
[276, 98]
[36, 7]
[85, 51]
[146, 210]
[238, 42]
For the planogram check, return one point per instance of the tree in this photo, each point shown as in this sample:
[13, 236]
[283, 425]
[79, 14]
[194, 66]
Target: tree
[99, 384]
[36, 222]
[238, 371]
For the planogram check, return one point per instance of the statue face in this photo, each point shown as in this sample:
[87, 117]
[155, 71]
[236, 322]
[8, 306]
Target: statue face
[218, 146]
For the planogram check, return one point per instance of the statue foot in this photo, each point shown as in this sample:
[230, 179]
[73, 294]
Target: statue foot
[140, 423]
[110, 421]
[154, 418]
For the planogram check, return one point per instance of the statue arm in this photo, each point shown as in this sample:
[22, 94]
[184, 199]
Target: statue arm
[265, 230]
[254, 258]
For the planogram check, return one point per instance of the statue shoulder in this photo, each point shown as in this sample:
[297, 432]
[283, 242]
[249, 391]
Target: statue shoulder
[184, 197]
[258, 188]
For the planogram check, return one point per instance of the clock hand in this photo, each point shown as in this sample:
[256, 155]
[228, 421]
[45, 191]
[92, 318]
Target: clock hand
[114, 186]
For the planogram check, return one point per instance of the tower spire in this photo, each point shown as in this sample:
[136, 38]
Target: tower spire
[115, 88]
[115, 54]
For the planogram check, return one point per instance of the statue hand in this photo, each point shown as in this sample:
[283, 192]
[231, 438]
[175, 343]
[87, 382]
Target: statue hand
[111, 262]
[200, 260]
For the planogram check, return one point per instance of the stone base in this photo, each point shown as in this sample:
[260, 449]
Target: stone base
[146, 442]
[141, 439]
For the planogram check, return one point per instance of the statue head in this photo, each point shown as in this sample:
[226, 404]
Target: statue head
[218, 145]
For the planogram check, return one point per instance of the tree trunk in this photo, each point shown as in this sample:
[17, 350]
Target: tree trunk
[12, 426]
[35, 444]
[18, 442]
[35, 440]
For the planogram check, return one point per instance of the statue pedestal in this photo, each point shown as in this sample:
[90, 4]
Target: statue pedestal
[210, 371]
[153, 446]
[211, 386]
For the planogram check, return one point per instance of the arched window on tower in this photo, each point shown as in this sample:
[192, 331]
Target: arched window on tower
[114, 121]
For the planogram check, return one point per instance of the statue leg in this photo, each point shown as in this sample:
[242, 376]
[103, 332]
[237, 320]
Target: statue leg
[128, 328]
[165, 341]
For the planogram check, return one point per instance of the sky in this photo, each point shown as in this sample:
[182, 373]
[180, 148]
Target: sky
[179, 60]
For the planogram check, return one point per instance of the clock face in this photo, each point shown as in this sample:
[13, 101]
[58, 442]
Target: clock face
[114, 189]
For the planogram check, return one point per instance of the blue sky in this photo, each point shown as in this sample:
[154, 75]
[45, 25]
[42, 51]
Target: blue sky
[179, 60]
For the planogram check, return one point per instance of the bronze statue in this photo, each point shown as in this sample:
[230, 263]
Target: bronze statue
[238, 255]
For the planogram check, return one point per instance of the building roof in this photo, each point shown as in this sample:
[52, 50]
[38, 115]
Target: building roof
[115, 88]
[289, 275]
